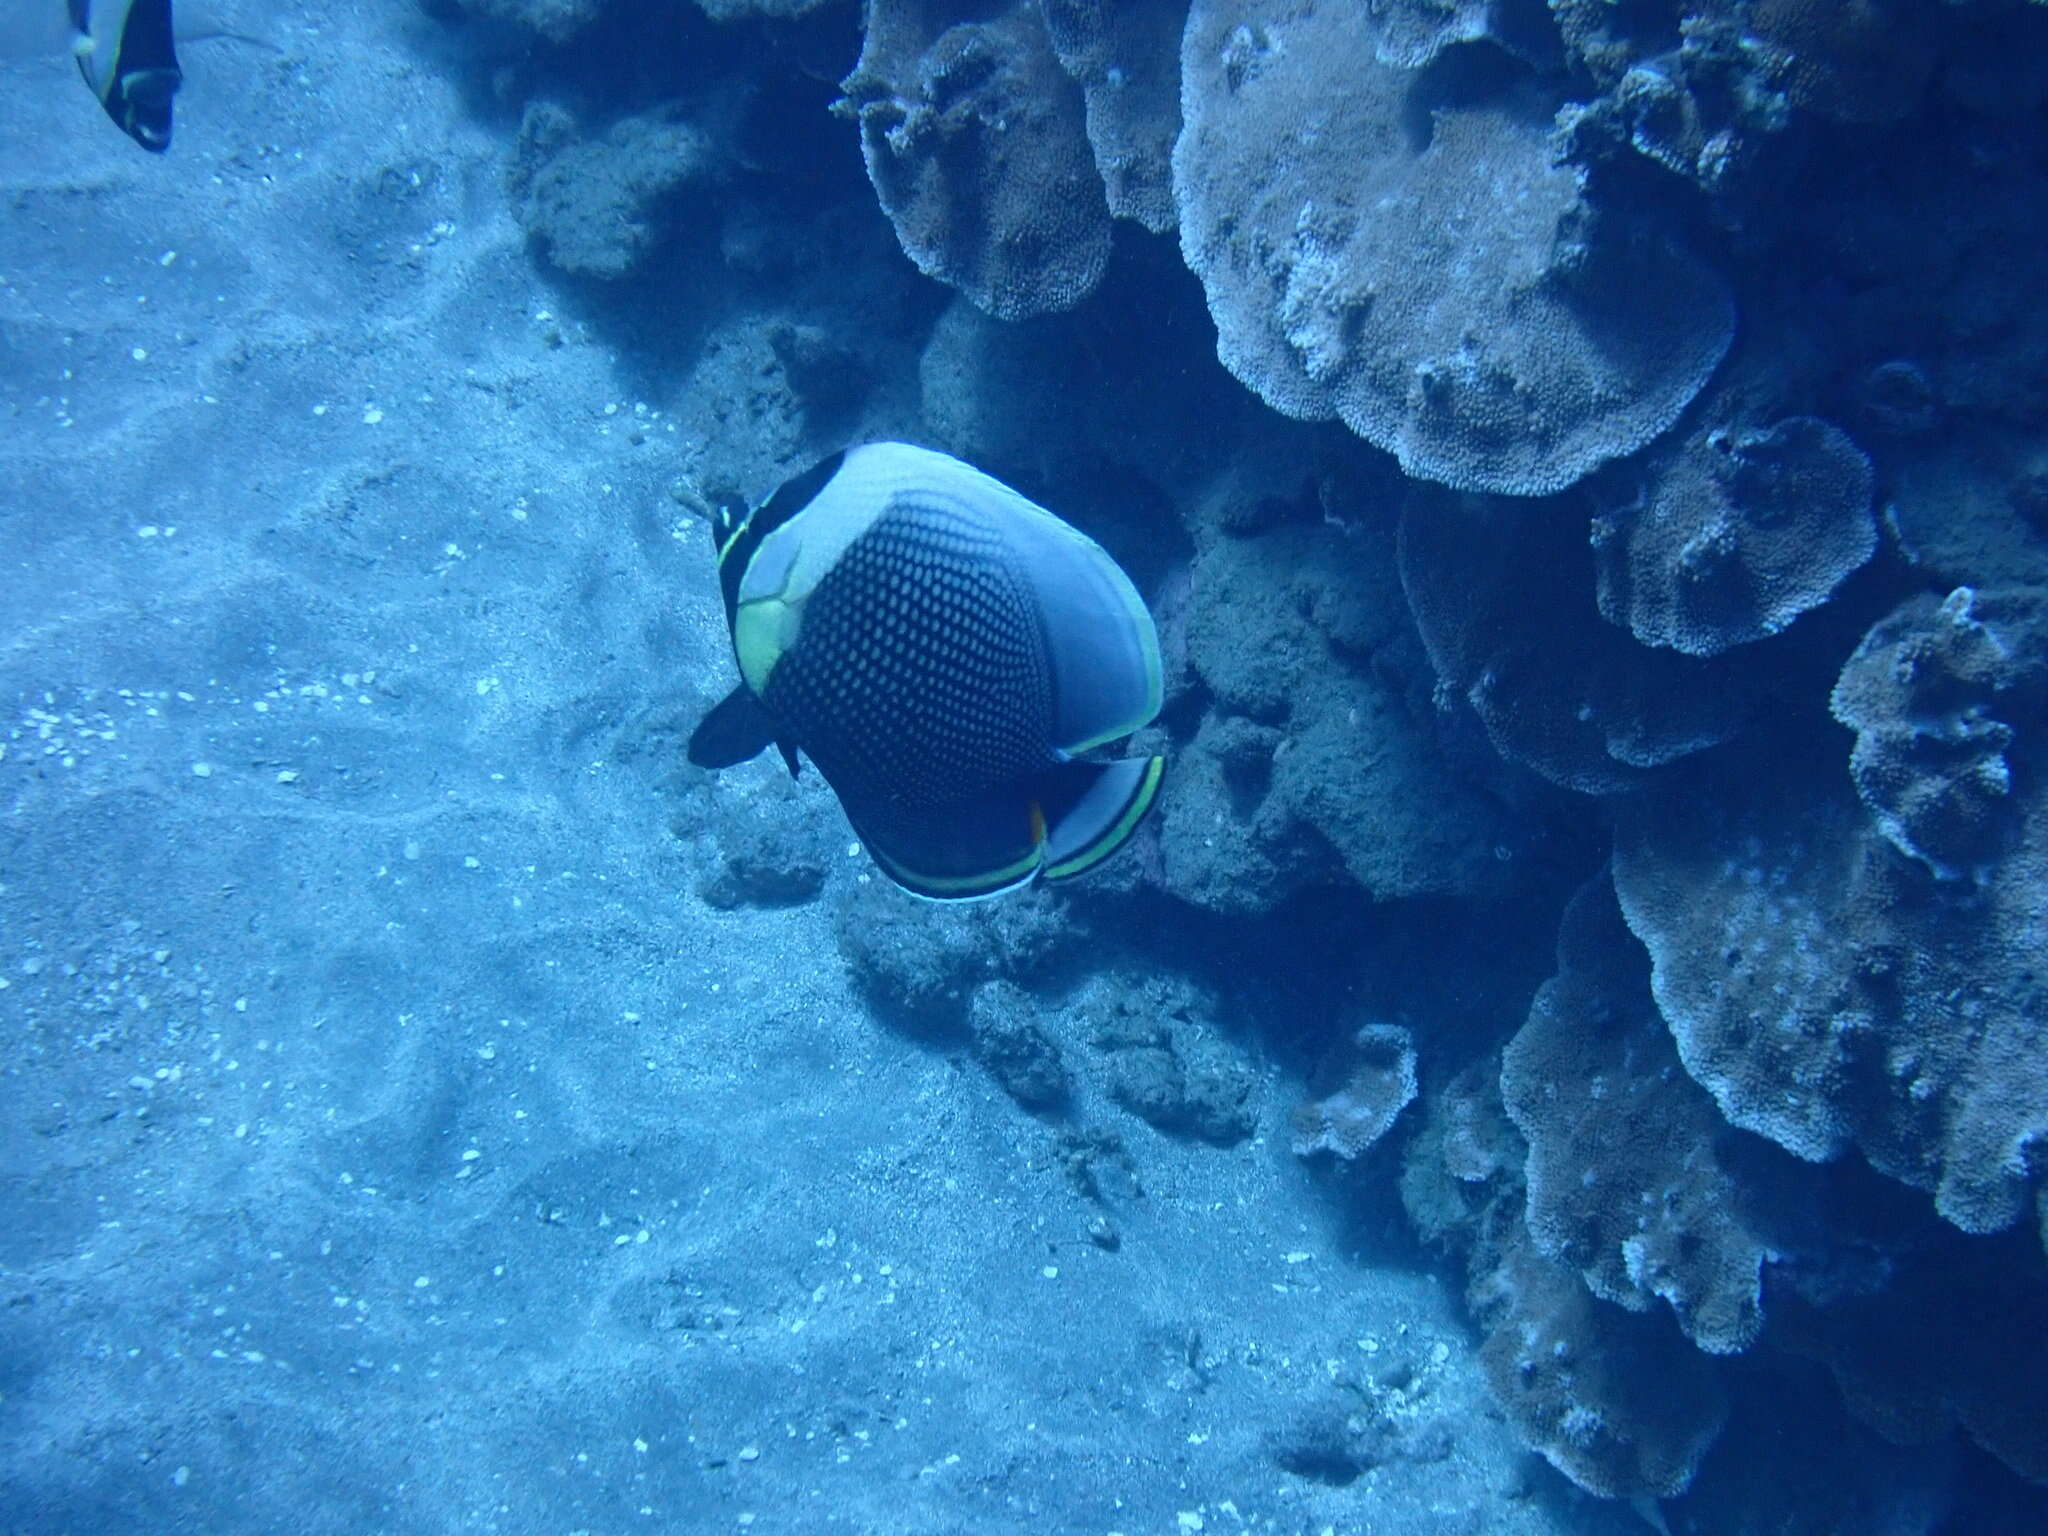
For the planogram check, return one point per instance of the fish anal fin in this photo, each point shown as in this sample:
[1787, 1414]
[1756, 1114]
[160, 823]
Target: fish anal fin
[963, 850]
[1092, 809]
[1056, 825]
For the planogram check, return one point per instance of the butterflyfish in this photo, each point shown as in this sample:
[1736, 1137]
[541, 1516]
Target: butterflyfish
[952, 657]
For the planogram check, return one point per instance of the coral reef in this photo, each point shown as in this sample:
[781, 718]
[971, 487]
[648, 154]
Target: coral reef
[976, 141]
[1740, 534]
[1544, 586]
[1626, 1182]
[1972, 507]
[1422, 265]
[1615, 1400]
[778, 10]
[1373, 1080]
[1311, 764]
[1502, 594]
[596, 204]
[1829, 993]
[1957, 1337]
[1931, 694]
[1126, 56]
[1856, 61]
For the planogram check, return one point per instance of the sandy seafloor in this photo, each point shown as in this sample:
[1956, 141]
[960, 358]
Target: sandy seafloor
[389, 1139]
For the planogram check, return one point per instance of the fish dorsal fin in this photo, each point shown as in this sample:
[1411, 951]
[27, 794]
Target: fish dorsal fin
[738, 728]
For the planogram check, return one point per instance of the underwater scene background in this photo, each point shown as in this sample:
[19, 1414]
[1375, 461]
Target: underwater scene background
[1568, 1050]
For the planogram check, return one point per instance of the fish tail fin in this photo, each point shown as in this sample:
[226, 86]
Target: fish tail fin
[1091, 809]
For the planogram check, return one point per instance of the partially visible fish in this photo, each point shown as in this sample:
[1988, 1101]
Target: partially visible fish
[127, 50]
[946, 652]
[128, 56]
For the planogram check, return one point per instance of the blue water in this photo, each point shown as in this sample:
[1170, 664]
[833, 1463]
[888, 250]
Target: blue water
[1565, 1053]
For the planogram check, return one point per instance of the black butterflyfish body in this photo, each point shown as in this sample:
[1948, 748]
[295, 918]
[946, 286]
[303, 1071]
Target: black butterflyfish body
[944, 650]
[128, 54]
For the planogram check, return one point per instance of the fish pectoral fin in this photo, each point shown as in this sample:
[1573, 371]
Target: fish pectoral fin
[739, 727]
[1091, 809]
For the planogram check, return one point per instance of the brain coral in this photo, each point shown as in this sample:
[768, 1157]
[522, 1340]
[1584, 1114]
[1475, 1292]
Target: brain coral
[1830, 993]
[1428, 272]
[1740, 534]
[976, 143]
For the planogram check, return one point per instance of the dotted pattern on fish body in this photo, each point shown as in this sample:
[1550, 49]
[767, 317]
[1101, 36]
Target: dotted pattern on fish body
[920, 675]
